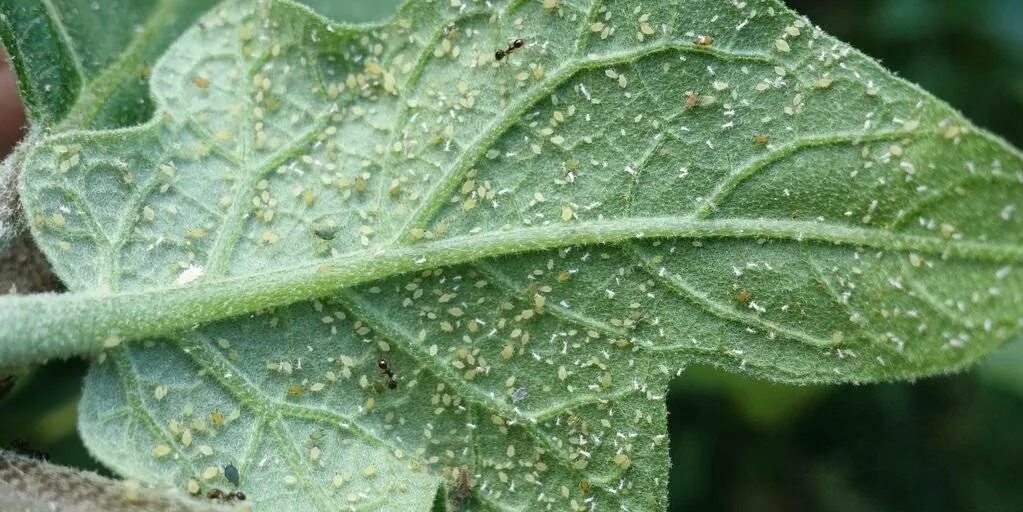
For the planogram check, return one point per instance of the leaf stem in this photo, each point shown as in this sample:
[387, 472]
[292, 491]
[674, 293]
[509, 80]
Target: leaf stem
[39, 327]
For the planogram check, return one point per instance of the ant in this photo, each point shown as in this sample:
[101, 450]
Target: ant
[23, 447]
[219, 495]
[463, 487]
[392, 383]
[515, 45]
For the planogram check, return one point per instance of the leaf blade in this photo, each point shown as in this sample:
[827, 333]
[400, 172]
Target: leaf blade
[678, 239]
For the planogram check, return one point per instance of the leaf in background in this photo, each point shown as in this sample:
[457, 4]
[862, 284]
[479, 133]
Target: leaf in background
[717, 184]
[354, 12]
[85, 63]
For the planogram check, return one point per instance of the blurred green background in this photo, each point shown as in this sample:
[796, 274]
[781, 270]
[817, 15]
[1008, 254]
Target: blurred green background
[944, 444]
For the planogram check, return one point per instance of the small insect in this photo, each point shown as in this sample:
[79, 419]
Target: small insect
[463, 487]
[231, 474]
[25, 448]
[692, 99]
[743, 297]
[760, 140]
[514, 45]
[392, 382]
[220, 495]
[451, 31]
[584, 486]
[704, 41]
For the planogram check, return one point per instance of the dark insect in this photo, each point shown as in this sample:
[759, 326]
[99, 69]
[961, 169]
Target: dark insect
[514, 45]
[219, 495]
[231, 474]
[392, 382]
[23, 447]
[463, 487]
[743, 297]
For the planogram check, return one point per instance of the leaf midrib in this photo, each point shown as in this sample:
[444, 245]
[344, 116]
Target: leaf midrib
[55, 326]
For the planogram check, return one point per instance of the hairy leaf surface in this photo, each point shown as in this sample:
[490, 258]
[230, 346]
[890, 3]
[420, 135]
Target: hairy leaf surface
[715, 183]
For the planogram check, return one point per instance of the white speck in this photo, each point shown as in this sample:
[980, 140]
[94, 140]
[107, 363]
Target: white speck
[190, 274]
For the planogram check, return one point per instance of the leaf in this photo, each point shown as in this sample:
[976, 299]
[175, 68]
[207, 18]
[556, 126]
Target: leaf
[354, 12]
[77, 67]
[72, 61]
[535, 246]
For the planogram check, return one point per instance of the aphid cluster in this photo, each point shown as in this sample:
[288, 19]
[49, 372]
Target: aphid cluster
[514, 45]
[392, 382]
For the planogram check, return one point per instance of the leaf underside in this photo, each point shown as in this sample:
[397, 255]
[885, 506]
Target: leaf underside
[281, 140]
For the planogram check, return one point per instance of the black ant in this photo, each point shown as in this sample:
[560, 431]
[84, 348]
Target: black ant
[515, 45]
[219, 495]
[23, 447]
[392, 383]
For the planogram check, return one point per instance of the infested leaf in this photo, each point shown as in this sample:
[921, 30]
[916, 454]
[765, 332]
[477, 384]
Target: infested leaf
[542, 242]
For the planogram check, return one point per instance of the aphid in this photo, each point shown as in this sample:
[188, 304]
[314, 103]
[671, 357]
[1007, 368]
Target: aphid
[743, 297]
[692, 99]
[295, 390]
[703, 41]
[760, 140]
[325, 227]
[463, 487]
[392, 382]
[231, 474]
[514, 45]
[451, 31]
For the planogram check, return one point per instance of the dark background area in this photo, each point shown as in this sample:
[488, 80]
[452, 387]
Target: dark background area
[943, 444]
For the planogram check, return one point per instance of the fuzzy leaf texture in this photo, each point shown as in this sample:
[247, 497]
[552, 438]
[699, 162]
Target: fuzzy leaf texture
[535, 246]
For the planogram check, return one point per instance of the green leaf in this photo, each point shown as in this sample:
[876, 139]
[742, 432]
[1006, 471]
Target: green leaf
[83, 63]
[534, 245]
[354, 12]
